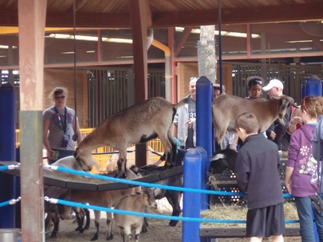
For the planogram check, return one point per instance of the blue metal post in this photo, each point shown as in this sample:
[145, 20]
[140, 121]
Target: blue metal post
[311, 87]
[7, 153]
[192, 200]
[204, 130]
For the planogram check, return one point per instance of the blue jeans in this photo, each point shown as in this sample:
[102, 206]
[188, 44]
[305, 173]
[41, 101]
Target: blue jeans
[305, 214]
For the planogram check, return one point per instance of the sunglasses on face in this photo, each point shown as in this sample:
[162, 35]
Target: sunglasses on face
[59, 97]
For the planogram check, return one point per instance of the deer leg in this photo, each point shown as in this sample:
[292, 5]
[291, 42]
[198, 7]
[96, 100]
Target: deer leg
[97, 215]
[122, 164]
[109, 224]
[88, 219]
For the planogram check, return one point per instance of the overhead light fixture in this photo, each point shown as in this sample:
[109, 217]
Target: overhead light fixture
[7, 47]
[89, 38]
[223, 33]
[67, 53]
[117, 40]
[125, 57]
[306, 49]
[299, 41]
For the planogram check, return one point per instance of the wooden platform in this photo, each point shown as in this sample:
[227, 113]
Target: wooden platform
[70, 181]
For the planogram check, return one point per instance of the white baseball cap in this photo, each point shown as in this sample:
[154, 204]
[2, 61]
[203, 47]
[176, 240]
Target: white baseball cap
[273, 83]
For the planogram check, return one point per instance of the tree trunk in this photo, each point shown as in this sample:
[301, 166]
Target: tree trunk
[206, 53]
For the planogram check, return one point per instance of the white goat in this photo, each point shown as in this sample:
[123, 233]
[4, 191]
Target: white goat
[104, 199]
[130, 225]
[226, 108]
[138, 124]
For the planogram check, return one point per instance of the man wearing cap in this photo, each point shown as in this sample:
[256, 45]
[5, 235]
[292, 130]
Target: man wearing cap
[277, 131]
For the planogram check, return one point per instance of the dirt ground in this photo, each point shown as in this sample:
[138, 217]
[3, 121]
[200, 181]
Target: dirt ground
[158, 231]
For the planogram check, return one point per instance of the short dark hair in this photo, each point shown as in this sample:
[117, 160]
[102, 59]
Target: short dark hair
[57, 91]
[255, 80]
[248, 122]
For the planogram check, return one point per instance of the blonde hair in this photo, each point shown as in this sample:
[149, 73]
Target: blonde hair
[57, 91]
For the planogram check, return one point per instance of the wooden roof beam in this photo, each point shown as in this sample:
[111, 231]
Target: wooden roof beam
[183, 38]
[296, 12]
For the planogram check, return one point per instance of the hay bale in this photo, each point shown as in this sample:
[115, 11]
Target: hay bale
[237, 212]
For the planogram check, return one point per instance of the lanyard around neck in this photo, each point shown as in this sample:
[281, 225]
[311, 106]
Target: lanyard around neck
[60, 123]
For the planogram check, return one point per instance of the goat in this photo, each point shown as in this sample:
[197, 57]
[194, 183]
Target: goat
[103, 199]
[55, 212]
[226, 108]
[130, 225]
[138, 124]
[173, 197]
[223, 160]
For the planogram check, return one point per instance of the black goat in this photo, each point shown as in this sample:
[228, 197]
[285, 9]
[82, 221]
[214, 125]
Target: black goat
[222, 160]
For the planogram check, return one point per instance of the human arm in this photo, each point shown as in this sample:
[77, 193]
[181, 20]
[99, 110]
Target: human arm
[317, 140]
[234, 143]
[175, 130]
[175, 125]
[78, 132]
[270, 132]
[50, 152]
[295, 120]
[293, 152]
[288, 178]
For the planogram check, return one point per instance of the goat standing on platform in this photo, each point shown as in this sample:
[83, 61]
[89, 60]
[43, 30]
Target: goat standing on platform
[226, 108]
[131, 225]
[138, 124]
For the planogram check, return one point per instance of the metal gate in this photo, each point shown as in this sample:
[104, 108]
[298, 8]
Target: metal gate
[112, 90]
[291, 76]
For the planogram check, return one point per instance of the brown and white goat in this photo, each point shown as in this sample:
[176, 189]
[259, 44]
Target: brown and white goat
[226, 108]
[55, 212]
[103, 199]
[138, 124]
[130, 225]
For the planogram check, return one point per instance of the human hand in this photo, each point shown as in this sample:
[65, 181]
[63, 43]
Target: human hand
[296, 120]
[50, 154]
[190, 122]
[233, 147]
[289, 188]
[272, 135]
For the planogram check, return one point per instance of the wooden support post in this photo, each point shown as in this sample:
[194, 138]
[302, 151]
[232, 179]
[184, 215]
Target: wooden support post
[140, 18]
[32, 16]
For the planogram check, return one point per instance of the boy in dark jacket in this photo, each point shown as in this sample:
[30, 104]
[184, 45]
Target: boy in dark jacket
[257, 175]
